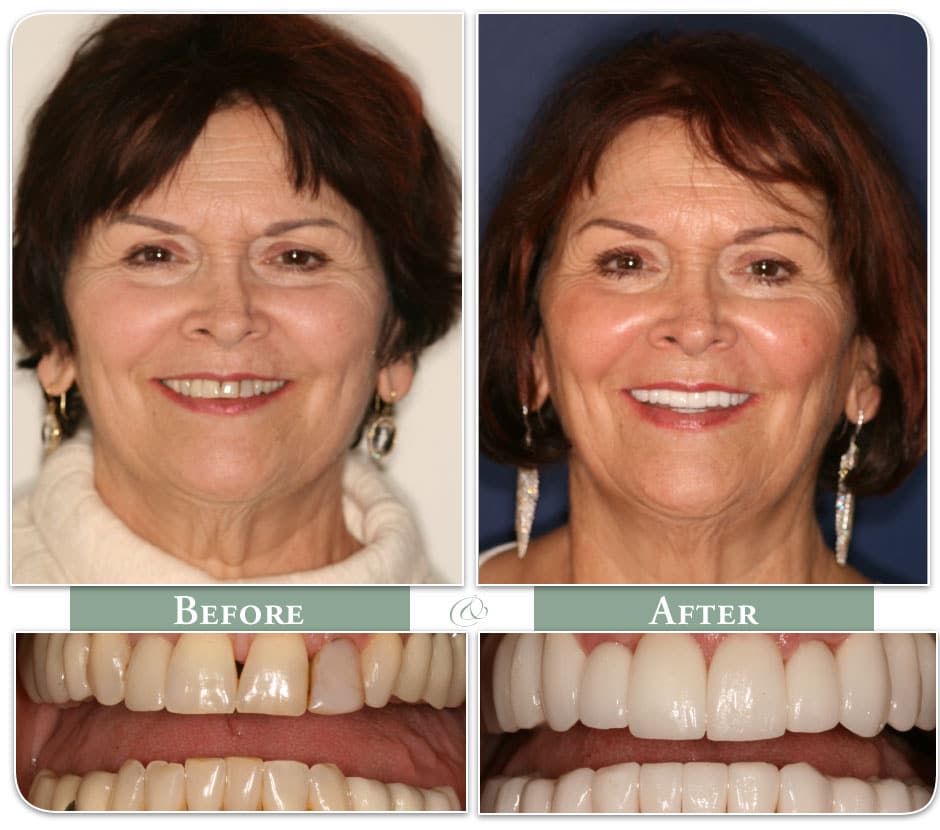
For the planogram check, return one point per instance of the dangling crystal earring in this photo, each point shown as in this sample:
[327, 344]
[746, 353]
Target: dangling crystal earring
[845, 500]
[527, 494]
[51, 425]
[380, 436]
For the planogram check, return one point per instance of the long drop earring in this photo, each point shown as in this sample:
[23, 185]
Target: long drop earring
[527, 494]
[381, 432]
[845, 499]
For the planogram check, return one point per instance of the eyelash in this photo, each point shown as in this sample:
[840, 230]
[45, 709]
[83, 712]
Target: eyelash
[605, 266]
[314, 259]
[604, 262]
[143, 256]
[151, 256]
[791, 268]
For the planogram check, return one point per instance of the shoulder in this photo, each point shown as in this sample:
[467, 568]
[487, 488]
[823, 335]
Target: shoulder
[546, 561]
[33, 562]
[500, 564]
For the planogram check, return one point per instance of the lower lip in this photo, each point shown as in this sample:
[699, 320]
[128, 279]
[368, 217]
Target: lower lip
[662, 416]
[221, 406]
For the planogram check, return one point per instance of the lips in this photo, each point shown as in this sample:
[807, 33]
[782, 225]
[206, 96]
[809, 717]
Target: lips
[715, 723]
[274, 722]
[689, 407]
[233, 388]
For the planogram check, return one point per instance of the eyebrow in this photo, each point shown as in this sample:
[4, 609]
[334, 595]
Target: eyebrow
[742, 238]
[274, 229]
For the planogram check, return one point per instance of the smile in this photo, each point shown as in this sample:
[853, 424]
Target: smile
[209, 388]
[242, 722]
[688, 402]
[710, 723]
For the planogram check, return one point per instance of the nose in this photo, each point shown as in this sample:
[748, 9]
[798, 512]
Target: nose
[225, 306]
[693, 318]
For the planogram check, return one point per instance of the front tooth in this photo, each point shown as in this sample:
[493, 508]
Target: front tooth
[526, 681]
[813, 700]
[201, 675]
[205, 783]
[852, 795]
[379, 663]
[327, 788]
[415, 661]
[210, 388]
[502, 683]
[439, 671]
[752, 787]
[246, 389]
[537, 796]
[273, 680]
[666, 693]
[55, 670]
[257, 386]
[405, 798]
[129, 792]
[604, 687]
[866, 689]
[904, 672]
[195, 388]
[458, 680]
[365, 794]
[284, 785]
[892, 796]
[616, 789]
[75, 655]
[94, 793]
[229, 389]
[803, 790]
[661, 788]
[242, 784]
[562, 667]
[42, 790]
[107, 662]
[145, 688]
[927, 659]
[165, 785]
[704, 788]
[747, 698]
[573, 792]
[509, 797]
[66, 792]
[335, 682]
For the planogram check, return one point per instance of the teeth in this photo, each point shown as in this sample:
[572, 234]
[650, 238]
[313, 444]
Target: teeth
[927, 660]
[803, 790]
[689, 402]
[562, 666]
[206, 388]
[439, 671]
[274, 678]
[850, 795]
[813, 697]
[201, 675]
[107, 662]
[380, 663]
[752, 787]
[604, 687]
[335, 682]
[537, 796]
[573, 792]
[526, 681]
[661, 788]
[704, 788]
[415, 662]
[75, 653]
[231, 784]
[865, 684]
[617, 789]
[901, 653]
[145, 690]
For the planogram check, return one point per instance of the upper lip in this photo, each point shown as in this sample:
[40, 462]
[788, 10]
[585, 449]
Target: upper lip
[221, 378]
[704, 386]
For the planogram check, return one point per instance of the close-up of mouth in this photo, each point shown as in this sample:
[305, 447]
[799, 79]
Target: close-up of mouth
[222, 395]
[241, 722]
[668, 723]
[688, 407]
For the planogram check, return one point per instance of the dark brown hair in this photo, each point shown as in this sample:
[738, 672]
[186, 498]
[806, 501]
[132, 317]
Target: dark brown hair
[138, 93]
[766, 116]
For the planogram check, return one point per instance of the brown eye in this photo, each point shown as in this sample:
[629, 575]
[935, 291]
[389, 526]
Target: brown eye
[149, 255]
[301, 259]
[620, 262]
[770, 271]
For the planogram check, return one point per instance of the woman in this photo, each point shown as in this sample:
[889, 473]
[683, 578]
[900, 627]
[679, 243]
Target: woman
[232, 273]
[703, 286]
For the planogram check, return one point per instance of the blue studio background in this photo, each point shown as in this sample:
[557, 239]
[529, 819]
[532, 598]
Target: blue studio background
[878, 61]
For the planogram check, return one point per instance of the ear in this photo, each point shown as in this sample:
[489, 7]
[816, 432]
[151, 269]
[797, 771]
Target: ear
[394, 380]
[56, 371]
[540, 374]
[864, 392]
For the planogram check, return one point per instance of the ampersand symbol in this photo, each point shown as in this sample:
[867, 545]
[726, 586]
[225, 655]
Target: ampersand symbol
[468, 611]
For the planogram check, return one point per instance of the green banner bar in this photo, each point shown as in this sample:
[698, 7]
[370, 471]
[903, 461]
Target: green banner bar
[226, 608]
[711, 608]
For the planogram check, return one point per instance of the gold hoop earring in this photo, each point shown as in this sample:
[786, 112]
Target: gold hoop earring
[52, 422]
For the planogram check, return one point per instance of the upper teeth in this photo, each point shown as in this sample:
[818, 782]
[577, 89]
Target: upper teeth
[206, 388]
[689, 401]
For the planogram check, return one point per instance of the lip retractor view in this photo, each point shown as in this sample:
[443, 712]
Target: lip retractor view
[241, 721]
[668, 723]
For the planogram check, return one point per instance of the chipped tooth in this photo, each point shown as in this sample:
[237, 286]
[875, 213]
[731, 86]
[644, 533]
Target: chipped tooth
[752, 787]
[42, 790]
[920, 796]
[525, 682]
[892, 796]
[490, 793]
[573, 792]
[273, 680]
[107, 663]
[66, 792]
[704, 788]
[56, 686]
[927, 659]
[379, 663]
[812, 682]
[75, 655]
[434, 801]
[284, 785]
[852, 795]
[661, 788]
[502, 683]
[747, 698]
[803, 790]
[242, 784]
[405, 798]
[335, 682]
[604, 684]
[562, 666]
[165, 786]
[904, 673]
[439, 671]
[366, 794]
[509, 796]
[457, 692]
[94, 791]
[863, 679]
[205, 783]
[145, 683]
[666, 693]
[537, 796]
[201, 675]
[616, 789]
[129, 787]
[415, 660]
[40, 650]
[327, 788]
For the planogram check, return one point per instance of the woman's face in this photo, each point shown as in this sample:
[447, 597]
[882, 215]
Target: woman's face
[696, 343]
[226, 281]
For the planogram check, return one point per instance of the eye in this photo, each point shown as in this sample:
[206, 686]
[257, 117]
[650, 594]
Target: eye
[299, 259]
[772, 271]
[149, 255]
[617, 263]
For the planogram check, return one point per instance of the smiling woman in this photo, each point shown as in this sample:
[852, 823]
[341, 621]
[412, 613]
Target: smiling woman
[232, 277]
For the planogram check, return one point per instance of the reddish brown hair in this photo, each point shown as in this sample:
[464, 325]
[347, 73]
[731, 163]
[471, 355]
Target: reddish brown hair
[138, 93]
[770, 118]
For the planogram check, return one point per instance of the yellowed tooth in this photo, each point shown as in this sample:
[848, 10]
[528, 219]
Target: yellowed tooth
[379, 663]
[165, 786]
[75, 654]
[94, 793]
[55, 670]
[42, 790]
[285, 785]
[452, 798]
[335, 682]
[927, 660]
[415, 660]
[405, 798]
[327, 788]
[66, 791]
[368, 795]
[145, 684]
[436, 801]
[107, 664]
[201, 675]
[242, 783]
[40, 649]
[129, 786]
[439, 671]
[274, 678]
[457, 692]
[205, 783]
[26, 666]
